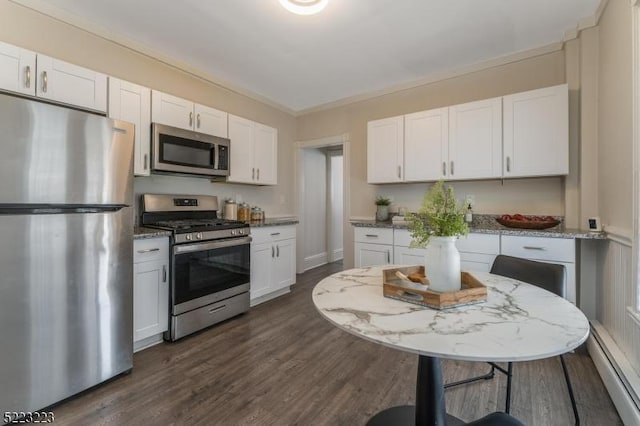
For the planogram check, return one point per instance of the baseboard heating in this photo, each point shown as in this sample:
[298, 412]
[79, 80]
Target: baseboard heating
[620, 379]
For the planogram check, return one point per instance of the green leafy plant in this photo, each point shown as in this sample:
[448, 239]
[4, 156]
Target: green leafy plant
[439, 216]
[382, 201]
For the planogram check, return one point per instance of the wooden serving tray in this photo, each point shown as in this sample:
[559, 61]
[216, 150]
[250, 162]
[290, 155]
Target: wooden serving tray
[472, 291]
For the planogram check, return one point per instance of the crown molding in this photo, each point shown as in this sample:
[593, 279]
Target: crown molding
[44, 8]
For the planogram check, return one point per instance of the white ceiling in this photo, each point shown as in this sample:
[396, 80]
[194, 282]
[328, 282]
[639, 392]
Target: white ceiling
[351, 48]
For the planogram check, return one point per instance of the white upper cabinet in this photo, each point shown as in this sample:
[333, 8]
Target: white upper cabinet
[210, 121]
[28, 73]
[536, 132]
[475, 140]
[426, 139]
[253, 152]
[70, 84]
[385, 145]
[17, 69]
[184, 114]
[131, 102]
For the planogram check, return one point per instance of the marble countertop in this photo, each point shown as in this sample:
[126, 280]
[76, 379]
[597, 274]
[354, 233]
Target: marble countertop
[486, 224]
[274, 222]
[140, 233]
[518, 322]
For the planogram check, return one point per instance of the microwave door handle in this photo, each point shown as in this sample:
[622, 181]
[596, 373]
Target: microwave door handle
[214, 156]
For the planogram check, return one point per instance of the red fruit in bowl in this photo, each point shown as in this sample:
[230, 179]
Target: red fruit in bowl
[506, 217]
[550, 219]
[518, 217]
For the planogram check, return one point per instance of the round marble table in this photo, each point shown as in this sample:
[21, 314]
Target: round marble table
[518, 322]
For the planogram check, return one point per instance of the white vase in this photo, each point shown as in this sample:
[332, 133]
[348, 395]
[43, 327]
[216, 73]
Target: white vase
[442, 264]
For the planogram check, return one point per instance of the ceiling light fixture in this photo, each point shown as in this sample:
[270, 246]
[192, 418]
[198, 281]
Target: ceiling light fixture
[304, 7]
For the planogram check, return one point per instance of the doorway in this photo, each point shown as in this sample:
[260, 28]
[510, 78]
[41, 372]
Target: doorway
[322, 201]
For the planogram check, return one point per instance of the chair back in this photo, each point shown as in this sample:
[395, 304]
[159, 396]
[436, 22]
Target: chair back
[549, 276]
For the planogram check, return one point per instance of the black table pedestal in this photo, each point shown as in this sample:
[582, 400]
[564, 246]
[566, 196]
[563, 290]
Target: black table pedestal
[430, 408]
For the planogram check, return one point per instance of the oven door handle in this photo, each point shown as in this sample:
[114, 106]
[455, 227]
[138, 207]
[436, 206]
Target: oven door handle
[211, 245]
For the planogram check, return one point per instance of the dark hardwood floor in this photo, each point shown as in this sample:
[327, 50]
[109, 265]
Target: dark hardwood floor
[282, 364]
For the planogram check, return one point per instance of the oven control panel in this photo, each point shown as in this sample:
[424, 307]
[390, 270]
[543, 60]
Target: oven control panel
[189, 237]
[185, 202]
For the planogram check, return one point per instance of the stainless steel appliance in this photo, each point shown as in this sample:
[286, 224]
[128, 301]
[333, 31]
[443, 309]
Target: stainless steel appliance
[66, 280]
[179, 151]
[209, 264]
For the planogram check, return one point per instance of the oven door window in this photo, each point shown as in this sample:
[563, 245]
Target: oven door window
[205, 272]
[185, 152]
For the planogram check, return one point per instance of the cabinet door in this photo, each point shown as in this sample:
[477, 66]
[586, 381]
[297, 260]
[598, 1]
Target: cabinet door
[385, 144]
[426, 138]
[262, 258]
[70, 84]
[210, 121]
[150, 299]
[284, 267]
[241, 133]
[171, 110]
[131, 102]
[536, 132]
[476, 262]
[266, 154]
[373, 254]
[408, 256]
[475, 140]
[17, 70]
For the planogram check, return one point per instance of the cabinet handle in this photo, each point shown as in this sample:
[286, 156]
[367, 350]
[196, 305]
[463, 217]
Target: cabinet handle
[399, 172]
[272, 251]
[534, 248]
[275, 233]
[452, 168]
[444, 168]
[148, 250]
[253, 173]
[508, 163]
[388, 256]
[146, 158]
[27, 76]
[277, 251]
[44, 81]
[164, 273]
[190, 119]
[371, 235]
[198, 121]
[258, 174]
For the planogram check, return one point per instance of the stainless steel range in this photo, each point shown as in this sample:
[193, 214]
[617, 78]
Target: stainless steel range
[210, 260]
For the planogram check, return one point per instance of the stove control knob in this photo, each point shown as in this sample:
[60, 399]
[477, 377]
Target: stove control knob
[188, 237]
[233, 232]
[199, 235]
[241, 232]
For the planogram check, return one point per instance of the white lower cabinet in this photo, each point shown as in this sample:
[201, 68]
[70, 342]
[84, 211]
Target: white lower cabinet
[273, 261]
[383, 246]
[561, 251]
[373, 246]
[150, 291]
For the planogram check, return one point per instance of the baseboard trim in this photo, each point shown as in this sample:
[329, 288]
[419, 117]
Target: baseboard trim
[337, 255]
[147, 342]
[316, 260]
[603, 352]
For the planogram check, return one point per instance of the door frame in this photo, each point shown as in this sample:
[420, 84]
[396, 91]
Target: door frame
[342, 139]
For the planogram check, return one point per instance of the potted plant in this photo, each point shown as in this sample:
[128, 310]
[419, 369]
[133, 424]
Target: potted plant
[382, 208]
[436, 226]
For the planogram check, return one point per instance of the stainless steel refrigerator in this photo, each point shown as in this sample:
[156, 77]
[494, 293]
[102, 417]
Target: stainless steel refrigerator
[66, 273]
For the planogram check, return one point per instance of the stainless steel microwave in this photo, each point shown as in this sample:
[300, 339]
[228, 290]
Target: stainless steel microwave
[179, 151]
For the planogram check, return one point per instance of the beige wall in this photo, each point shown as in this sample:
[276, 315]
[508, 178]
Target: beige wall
[615, 130]
[529, 196]
[31, 30]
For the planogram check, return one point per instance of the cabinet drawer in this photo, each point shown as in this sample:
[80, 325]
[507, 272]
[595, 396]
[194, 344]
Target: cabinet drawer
[540, 248]
[151, 249]
[479, 243]
[272, 233]
[374, 235]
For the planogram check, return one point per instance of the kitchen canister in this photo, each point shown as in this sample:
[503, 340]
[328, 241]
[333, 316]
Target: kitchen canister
[230, 210]
[244, 213]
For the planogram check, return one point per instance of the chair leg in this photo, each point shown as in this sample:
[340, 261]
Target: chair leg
[487, 376]
[570, 389]
[507, 404]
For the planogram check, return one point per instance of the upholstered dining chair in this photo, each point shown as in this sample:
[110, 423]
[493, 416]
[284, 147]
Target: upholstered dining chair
[551, 277]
